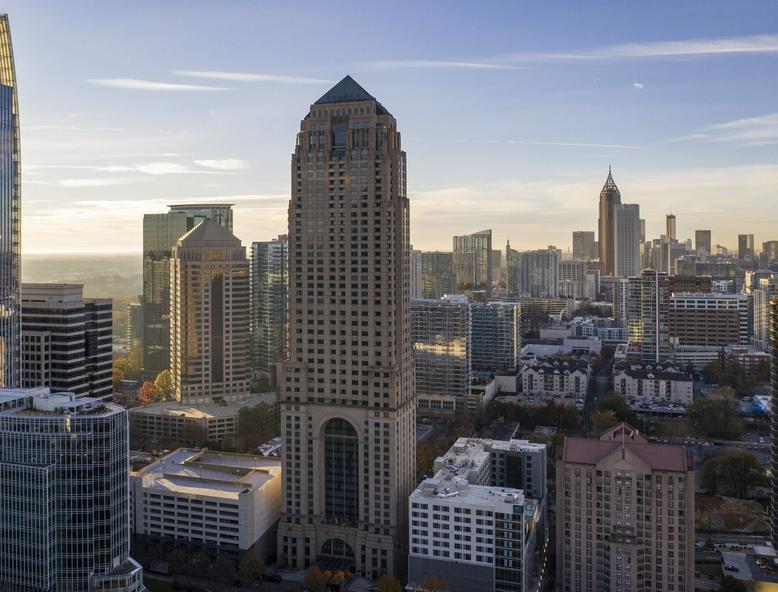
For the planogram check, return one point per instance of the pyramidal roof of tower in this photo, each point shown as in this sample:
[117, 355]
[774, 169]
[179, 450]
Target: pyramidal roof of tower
[348, 90]
[610, 184]
[209, 233]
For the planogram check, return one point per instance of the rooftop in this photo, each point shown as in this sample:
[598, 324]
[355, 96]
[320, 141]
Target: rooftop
[660, 457]
[348, 91]
[211, 474]
[202, 411]
[209, 233]
[458, 490]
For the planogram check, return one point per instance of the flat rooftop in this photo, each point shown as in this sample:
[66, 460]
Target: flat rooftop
[459, 491]
[201, 472]
[203, 410]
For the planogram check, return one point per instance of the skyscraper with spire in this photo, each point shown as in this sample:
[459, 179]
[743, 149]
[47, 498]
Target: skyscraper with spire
[610, 196]
[10, 215]
[346, 392]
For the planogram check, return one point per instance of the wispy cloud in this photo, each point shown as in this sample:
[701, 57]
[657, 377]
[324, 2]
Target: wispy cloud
[27, 128]
[249, 77]
[437, 65]
[560, 144]
[224, 164]
[749, 44]
[749, 131]
[149, 168]
[103, 182]
[138, 84]
[638, 85]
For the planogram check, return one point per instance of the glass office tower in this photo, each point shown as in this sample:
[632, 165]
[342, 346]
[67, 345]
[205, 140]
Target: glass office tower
[10, 215]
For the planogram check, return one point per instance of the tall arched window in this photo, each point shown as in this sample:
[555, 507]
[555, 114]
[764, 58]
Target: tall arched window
[341, 470]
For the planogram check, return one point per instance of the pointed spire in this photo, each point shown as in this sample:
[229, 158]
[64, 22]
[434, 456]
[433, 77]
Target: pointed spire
[610, 184]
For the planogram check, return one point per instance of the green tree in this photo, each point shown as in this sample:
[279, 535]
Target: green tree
[178, 560]
[426, 453]
[164, 385]
[603, 420]
[389, 583]
[257, 425]
[251, 566]
[201, 564]
[193, 434]
[223, 570]
[314, 580]
[128, 368]
[718, 418]
[618, 405]
[735, 472]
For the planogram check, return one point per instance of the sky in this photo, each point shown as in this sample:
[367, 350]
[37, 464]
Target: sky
[510, 112]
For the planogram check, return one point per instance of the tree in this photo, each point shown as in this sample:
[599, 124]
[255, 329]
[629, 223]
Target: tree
[201, 564]
[603, 420]
[164, 385]
[223, 570]
[718, 418]
[434, 584]
[615, 402]
[128, 368]
[178, 560]
[257, 424]
[314, 580]
[730, 584]
[251, 566]
[734, 472]
[426, 453]
[193, 434]
[389, 583]
[147, 393]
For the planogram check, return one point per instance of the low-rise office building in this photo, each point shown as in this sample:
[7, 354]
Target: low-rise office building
[175, 423]
[654, 383]
[214, 499]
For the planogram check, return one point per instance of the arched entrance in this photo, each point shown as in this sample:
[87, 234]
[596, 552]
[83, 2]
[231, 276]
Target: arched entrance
[336, 555]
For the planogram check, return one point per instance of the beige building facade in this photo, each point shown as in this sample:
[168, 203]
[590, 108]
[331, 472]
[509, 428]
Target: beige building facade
[348, 411]
[209, 316]
[625, 515]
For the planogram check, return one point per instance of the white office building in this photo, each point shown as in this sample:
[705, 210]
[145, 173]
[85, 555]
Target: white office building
[473, 537]
[64, 524]
[213, 499]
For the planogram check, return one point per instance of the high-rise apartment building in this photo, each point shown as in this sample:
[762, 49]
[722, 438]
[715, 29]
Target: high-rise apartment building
[702, 242]
[769, 254]
[647, 310]
[583, 245]
[437, 274]
[745, 246]
[762, 294]
[610, 196]
[160, 233]
[134, 324]
[415, 272]
[64, 469]
[773, 316]
[670, 230]
[512, 269]
[209, 316]
[626, 240]
[10, 215]
[66, 340]
[578, 280]
[495, 333]
[269, 300]
[442, 343]
[709, 319]
[624, 514]
[348, 411]
[539, 273]
[472, 260]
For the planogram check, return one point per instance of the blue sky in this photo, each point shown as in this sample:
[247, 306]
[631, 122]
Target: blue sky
[510, 112]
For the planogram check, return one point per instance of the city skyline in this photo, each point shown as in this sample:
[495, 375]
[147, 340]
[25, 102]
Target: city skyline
[546, 101]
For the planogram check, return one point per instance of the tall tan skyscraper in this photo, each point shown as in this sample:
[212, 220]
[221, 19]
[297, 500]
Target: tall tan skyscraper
[670, 227]
[610, 196]
[209, 315]
[348, 412]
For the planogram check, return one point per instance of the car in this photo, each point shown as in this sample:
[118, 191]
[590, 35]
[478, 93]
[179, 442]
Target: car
[272, 578]
[730, 567]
